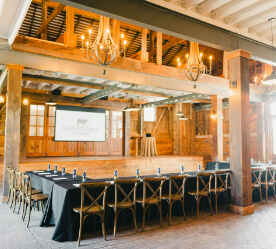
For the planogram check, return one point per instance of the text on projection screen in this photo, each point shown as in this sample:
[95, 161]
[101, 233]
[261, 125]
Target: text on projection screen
[79, 126]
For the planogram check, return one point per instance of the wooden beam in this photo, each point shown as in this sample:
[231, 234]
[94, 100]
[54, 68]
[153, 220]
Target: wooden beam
[12, 124]
[116, 35]
[151, 46]
[44, 13]
[159, 120]
[3, 108]
[144, 47]
[70, 38]
[217, 128]
[159, 48]
[240, 157]
[45, 20]
[200, 129]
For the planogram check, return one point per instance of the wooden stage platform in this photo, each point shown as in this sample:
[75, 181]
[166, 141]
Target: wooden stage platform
[104, 166]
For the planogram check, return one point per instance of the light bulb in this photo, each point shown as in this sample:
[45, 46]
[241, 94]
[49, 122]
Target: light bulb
[230, 91]
[179, 63]
[25, 101]
[87, 43]
[200, 54]
[255, 80]
[264, 75]
[107, 31]
[122, 36]
[125, 42]
[210, 57]
[82, 37]
[212, 116]
[101, 46]
[2, 99]
[187, 56]
[178, 59]
[90, 31]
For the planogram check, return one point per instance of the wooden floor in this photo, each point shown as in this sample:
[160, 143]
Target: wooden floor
[104, 166]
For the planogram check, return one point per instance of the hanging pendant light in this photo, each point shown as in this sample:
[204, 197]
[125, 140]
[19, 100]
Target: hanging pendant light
[194, 68]
[2, 100]
[268, 83]
[103, 50]
[50, 102]
[131, 108]
[183, 117]
[179, 113]
[25, 101]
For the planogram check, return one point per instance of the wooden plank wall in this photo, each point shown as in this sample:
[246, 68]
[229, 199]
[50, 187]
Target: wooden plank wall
[203, 142]
[125, 167]
[164, 140]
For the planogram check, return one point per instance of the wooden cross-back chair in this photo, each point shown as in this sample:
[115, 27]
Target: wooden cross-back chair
[155, 197]
[93, 207]
[178, 183]
[204, 191]
[128, 201]
[16, 189]
[269, 181]
[10, 173]
[221, 185]
[29, 199]
[256, 180]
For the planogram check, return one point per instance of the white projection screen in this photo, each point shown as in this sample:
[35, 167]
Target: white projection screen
[79, 124]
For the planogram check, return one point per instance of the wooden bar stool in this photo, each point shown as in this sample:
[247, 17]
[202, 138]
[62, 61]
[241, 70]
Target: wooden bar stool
[154, 198]
[204, 179]
[269, 181]
[93, 207]
[221, 185]
[178, 194]
[127, 189]
[256, 180]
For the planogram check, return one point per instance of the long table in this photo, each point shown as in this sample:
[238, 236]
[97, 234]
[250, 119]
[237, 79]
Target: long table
[63, 195]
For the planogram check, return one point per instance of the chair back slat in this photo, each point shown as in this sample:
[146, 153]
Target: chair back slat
[270, 175]
[219, 182]
[256, 175]
[26, 185]
[18, 176]
[153, 193]
[201, 178]
[85, 187]
[119, 189]
[174, 182]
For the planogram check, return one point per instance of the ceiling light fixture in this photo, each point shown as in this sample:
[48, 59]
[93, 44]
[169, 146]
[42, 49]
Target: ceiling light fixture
[2, 99]
[183, 117]
[25, 101]
[179, 113]
[50, 102]
[103, 50]
[131, 108]
[194, 68]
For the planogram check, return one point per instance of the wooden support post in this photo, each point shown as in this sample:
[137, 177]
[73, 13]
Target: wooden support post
[70, 38]
[267, 131]
[141, 122]
[239, 117]
[126, 133]
[260, 131]
[175, 129]
[151, 46]
[24, 131]
[217, 128]
[159, 48]
[44, 15]
[12, 127]
[116, 35]
[225, 66]
[144, 53]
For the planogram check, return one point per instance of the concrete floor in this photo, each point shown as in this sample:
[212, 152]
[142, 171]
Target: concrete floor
[224, 230]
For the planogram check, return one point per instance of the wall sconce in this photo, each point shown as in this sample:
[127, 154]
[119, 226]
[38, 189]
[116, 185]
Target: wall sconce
[2, 99]
[213, 115]
[25, 101]
[232, 85]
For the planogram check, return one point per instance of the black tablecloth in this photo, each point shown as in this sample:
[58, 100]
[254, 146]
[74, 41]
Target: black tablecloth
[63, 195]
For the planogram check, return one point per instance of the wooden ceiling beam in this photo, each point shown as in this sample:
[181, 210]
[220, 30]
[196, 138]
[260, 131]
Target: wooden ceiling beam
[50, 18]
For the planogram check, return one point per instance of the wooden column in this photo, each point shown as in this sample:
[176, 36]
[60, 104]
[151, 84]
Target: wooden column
[24, 131]
[239, 118]
[144, 53]
[126, 133]
[116, 35]
[70, 38]
[267, 131]
[13, 114]
[159, 48]
[225, 66]
[217, 128]
[151, 46]
[44, 15]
